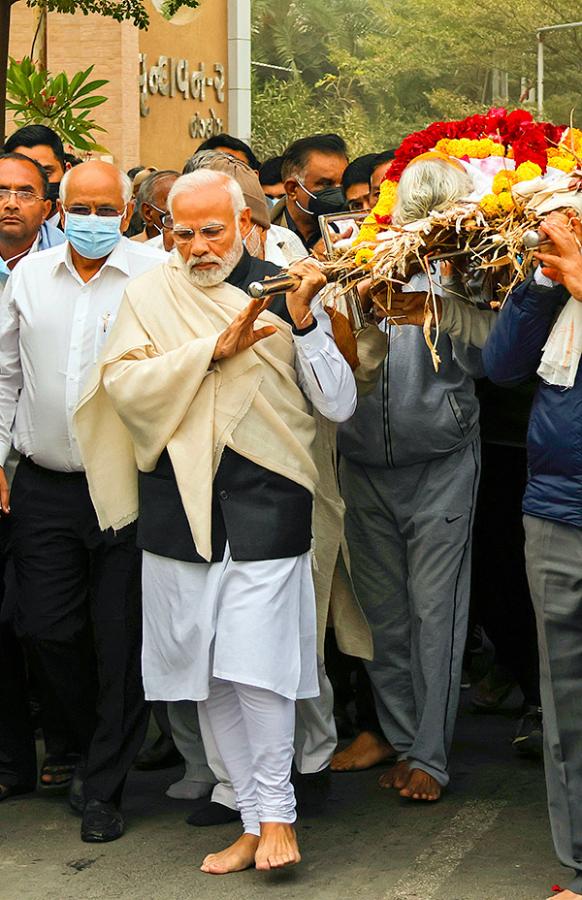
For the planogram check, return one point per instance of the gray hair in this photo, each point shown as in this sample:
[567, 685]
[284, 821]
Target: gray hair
[428, 185]
[147, 189]
[201, 160]
[124, 180]
[187, 184]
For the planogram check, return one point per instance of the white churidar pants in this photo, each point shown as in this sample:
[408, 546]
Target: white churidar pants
[315, 741]
[253, 729]
[240, 638]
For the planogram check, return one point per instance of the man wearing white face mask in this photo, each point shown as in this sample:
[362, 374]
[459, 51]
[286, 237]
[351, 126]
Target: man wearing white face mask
[79, 600]
[152, 205]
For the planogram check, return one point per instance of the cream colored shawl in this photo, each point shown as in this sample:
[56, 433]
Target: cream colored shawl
[156, 386]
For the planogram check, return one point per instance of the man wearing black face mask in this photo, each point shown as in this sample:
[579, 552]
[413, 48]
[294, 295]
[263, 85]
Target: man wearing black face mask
[45, 146]
[312, 170]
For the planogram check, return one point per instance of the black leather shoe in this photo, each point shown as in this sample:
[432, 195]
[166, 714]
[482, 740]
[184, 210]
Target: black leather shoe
[161, 755]
[102, 822]
[206, 813]
[76, 791]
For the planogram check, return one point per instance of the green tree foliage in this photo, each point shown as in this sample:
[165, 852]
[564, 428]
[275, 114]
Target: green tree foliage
[375, 71]
[36, 97]
[120, 10]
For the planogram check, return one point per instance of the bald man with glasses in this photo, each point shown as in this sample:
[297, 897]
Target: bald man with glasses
[79, 599]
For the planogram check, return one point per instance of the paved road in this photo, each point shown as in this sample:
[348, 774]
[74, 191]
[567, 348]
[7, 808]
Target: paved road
[488, 839]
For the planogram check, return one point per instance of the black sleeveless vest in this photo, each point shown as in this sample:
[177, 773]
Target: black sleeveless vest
[262, 515]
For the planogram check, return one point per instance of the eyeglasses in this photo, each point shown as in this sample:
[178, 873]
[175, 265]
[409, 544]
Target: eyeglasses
[183, 235]
[104, 212]
[24, 197]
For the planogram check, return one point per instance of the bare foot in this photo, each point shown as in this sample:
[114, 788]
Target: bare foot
[367, 750]
[565, 895]
[396, 777]
[278, 846]
[421, 786]
[239, 856]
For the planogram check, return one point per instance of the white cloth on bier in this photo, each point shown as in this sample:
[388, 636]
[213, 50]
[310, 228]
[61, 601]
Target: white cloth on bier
[251, 622]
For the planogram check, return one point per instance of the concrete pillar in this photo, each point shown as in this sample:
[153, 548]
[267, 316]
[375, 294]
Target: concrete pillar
[239, 69]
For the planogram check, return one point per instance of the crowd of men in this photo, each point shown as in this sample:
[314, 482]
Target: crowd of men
[259, 526]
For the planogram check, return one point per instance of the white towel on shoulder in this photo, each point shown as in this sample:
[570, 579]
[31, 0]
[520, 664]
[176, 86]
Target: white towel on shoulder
[561, 354]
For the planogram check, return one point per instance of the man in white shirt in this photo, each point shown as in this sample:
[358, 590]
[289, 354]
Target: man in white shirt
[23, 230]
[78, 604]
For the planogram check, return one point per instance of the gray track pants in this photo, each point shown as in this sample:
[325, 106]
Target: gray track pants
[409, 535]
[554, 568]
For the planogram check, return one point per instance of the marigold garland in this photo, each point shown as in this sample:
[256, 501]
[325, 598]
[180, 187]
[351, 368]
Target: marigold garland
[471, 149]
[504, 181]
[560, 162]
[363, 256]
[528, 170]
[513, 135]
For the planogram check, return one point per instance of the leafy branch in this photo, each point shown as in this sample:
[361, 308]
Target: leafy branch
[37, 97]
[120, 10]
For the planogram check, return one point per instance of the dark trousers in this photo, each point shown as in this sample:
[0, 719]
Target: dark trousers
[17, 748]
[350, 681]
[78, 608]
[500, 591]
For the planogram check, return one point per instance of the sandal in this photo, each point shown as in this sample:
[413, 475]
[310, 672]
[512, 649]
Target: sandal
[13, 790]
[58, 770]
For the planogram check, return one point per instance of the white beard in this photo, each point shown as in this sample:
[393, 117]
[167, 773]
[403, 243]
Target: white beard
[224, 265]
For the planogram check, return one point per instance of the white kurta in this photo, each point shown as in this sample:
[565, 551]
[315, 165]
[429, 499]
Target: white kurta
[250, 622]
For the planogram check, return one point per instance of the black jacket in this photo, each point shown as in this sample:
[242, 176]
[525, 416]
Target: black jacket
[261, 514]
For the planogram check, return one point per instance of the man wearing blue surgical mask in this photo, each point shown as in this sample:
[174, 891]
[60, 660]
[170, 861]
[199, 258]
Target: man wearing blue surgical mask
[78, 604]
[312, 170]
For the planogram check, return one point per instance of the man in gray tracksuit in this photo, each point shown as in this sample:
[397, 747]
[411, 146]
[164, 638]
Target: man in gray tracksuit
[409, 473]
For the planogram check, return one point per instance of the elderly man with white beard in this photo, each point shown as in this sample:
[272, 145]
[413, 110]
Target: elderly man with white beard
[201, 424]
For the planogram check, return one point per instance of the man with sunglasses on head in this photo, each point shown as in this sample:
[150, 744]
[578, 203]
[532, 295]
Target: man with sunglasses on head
[78, 603]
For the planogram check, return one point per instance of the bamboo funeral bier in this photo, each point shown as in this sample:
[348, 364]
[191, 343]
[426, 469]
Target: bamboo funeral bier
[519, 170]
[515, 171]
